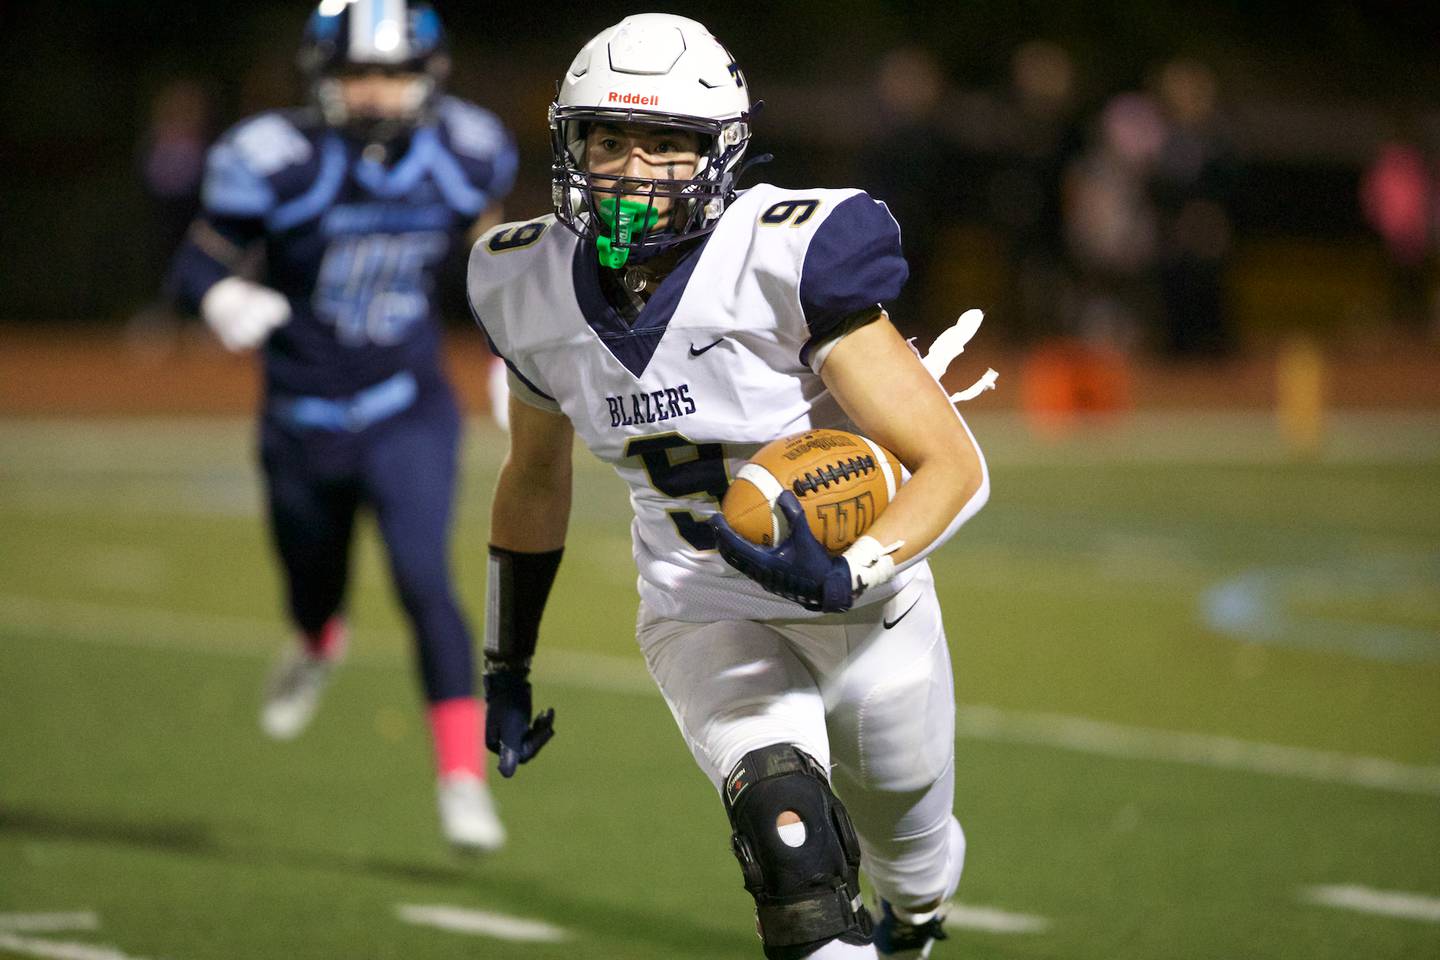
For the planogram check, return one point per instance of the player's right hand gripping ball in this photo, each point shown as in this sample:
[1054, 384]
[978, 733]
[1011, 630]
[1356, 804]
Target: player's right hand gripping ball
[842, 481]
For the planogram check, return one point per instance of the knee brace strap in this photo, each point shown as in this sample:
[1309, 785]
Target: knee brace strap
[805, 895]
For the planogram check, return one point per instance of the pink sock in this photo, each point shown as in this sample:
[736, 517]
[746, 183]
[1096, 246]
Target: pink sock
[457, 726]
[328, 643]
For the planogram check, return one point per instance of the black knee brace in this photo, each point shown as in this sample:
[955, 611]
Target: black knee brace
[808, 895]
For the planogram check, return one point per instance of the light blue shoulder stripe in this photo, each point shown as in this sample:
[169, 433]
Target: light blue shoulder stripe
[231, 189]
[406, 174]
[456, 186]
[322, 192]
[427, 155]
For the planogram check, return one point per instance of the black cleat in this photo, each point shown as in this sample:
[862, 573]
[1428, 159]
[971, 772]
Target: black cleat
[896, 938]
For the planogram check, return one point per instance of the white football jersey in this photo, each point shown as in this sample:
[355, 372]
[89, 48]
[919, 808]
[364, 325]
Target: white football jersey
[717, 364]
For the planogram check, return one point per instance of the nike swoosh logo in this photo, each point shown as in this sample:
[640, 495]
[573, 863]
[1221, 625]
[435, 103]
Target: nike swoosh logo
[696, 352]
[891, 623]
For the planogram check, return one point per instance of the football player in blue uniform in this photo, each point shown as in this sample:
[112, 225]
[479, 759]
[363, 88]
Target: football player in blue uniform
[677, 325]
[356, 203]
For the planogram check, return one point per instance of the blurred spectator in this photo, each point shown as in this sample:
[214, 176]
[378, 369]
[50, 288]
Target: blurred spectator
[1192, 184]
[1109, 229]
[1024, 193]
[172, 163]
[1112, 226]
[1399, 201]
[907, 165]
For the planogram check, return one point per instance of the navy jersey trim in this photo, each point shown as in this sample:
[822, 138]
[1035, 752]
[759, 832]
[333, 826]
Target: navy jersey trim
[490, 342]
[208, 254]
[398, 180]
[853, 261]
[846, 326]
[632, 344]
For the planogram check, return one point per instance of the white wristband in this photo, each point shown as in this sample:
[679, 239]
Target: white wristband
[870, 563]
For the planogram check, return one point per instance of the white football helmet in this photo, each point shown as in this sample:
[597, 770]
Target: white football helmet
[660, 69]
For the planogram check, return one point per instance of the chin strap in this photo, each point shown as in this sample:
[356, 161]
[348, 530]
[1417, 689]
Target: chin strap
[752, 162]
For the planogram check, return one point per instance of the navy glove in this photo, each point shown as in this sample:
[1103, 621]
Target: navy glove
[508, 730]
[798, 569]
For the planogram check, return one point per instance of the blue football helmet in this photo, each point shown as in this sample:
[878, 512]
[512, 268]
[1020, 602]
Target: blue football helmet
[350, 37]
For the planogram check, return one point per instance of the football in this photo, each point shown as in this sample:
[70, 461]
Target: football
[842, 480]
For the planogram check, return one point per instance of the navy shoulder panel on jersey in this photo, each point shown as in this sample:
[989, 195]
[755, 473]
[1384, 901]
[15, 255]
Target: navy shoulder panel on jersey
[260, 163]
[853, 262]
[479, 161]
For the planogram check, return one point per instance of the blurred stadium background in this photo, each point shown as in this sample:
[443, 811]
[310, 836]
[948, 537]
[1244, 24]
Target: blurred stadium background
[1196, 631]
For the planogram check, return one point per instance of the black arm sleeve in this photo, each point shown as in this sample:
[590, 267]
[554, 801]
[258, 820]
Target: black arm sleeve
[519, 586]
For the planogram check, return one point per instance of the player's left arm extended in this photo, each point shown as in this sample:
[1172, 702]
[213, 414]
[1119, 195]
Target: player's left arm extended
[892, 399]
[204, 278]
[528, 520]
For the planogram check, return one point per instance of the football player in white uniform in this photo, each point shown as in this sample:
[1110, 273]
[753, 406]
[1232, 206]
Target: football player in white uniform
[677, 325]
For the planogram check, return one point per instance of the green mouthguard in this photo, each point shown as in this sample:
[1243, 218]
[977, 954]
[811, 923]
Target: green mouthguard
[625, 218]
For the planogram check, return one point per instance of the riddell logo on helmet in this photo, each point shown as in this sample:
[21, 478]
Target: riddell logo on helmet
[634, 99]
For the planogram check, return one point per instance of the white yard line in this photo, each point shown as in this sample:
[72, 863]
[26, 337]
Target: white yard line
[171, 446]
[49, 922]
[481, 923]
[60, 950]
[253, 637]
[138, 627]
[1385, 903]
[990, 920]
[1196, 749]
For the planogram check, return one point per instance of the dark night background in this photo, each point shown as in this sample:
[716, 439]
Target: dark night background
[1311, 91]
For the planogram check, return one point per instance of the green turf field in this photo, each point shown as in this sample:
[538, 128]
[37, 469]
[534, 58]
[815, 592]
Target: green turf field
[1200, 688]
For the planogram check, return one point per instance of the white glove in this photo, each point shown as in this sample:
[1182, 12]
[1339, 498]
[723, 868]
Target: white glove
[242, 313]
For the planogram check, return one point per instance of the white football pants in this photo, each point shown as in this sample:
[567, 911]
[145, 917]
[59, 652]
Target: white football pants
[874, 704]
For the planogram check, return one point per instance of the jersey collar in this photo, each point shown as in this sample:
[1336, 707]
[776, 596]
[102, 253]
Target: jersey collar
[398, 180]
[632, 344]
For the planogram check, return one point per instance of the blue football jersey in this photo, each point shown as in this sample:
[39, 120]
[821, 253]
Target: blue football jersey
[354, 241]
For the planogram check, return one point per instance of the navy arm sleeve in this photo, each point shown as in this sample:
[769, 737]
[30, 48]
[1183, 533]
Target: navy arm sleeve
[853, 264]
[209, 253]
